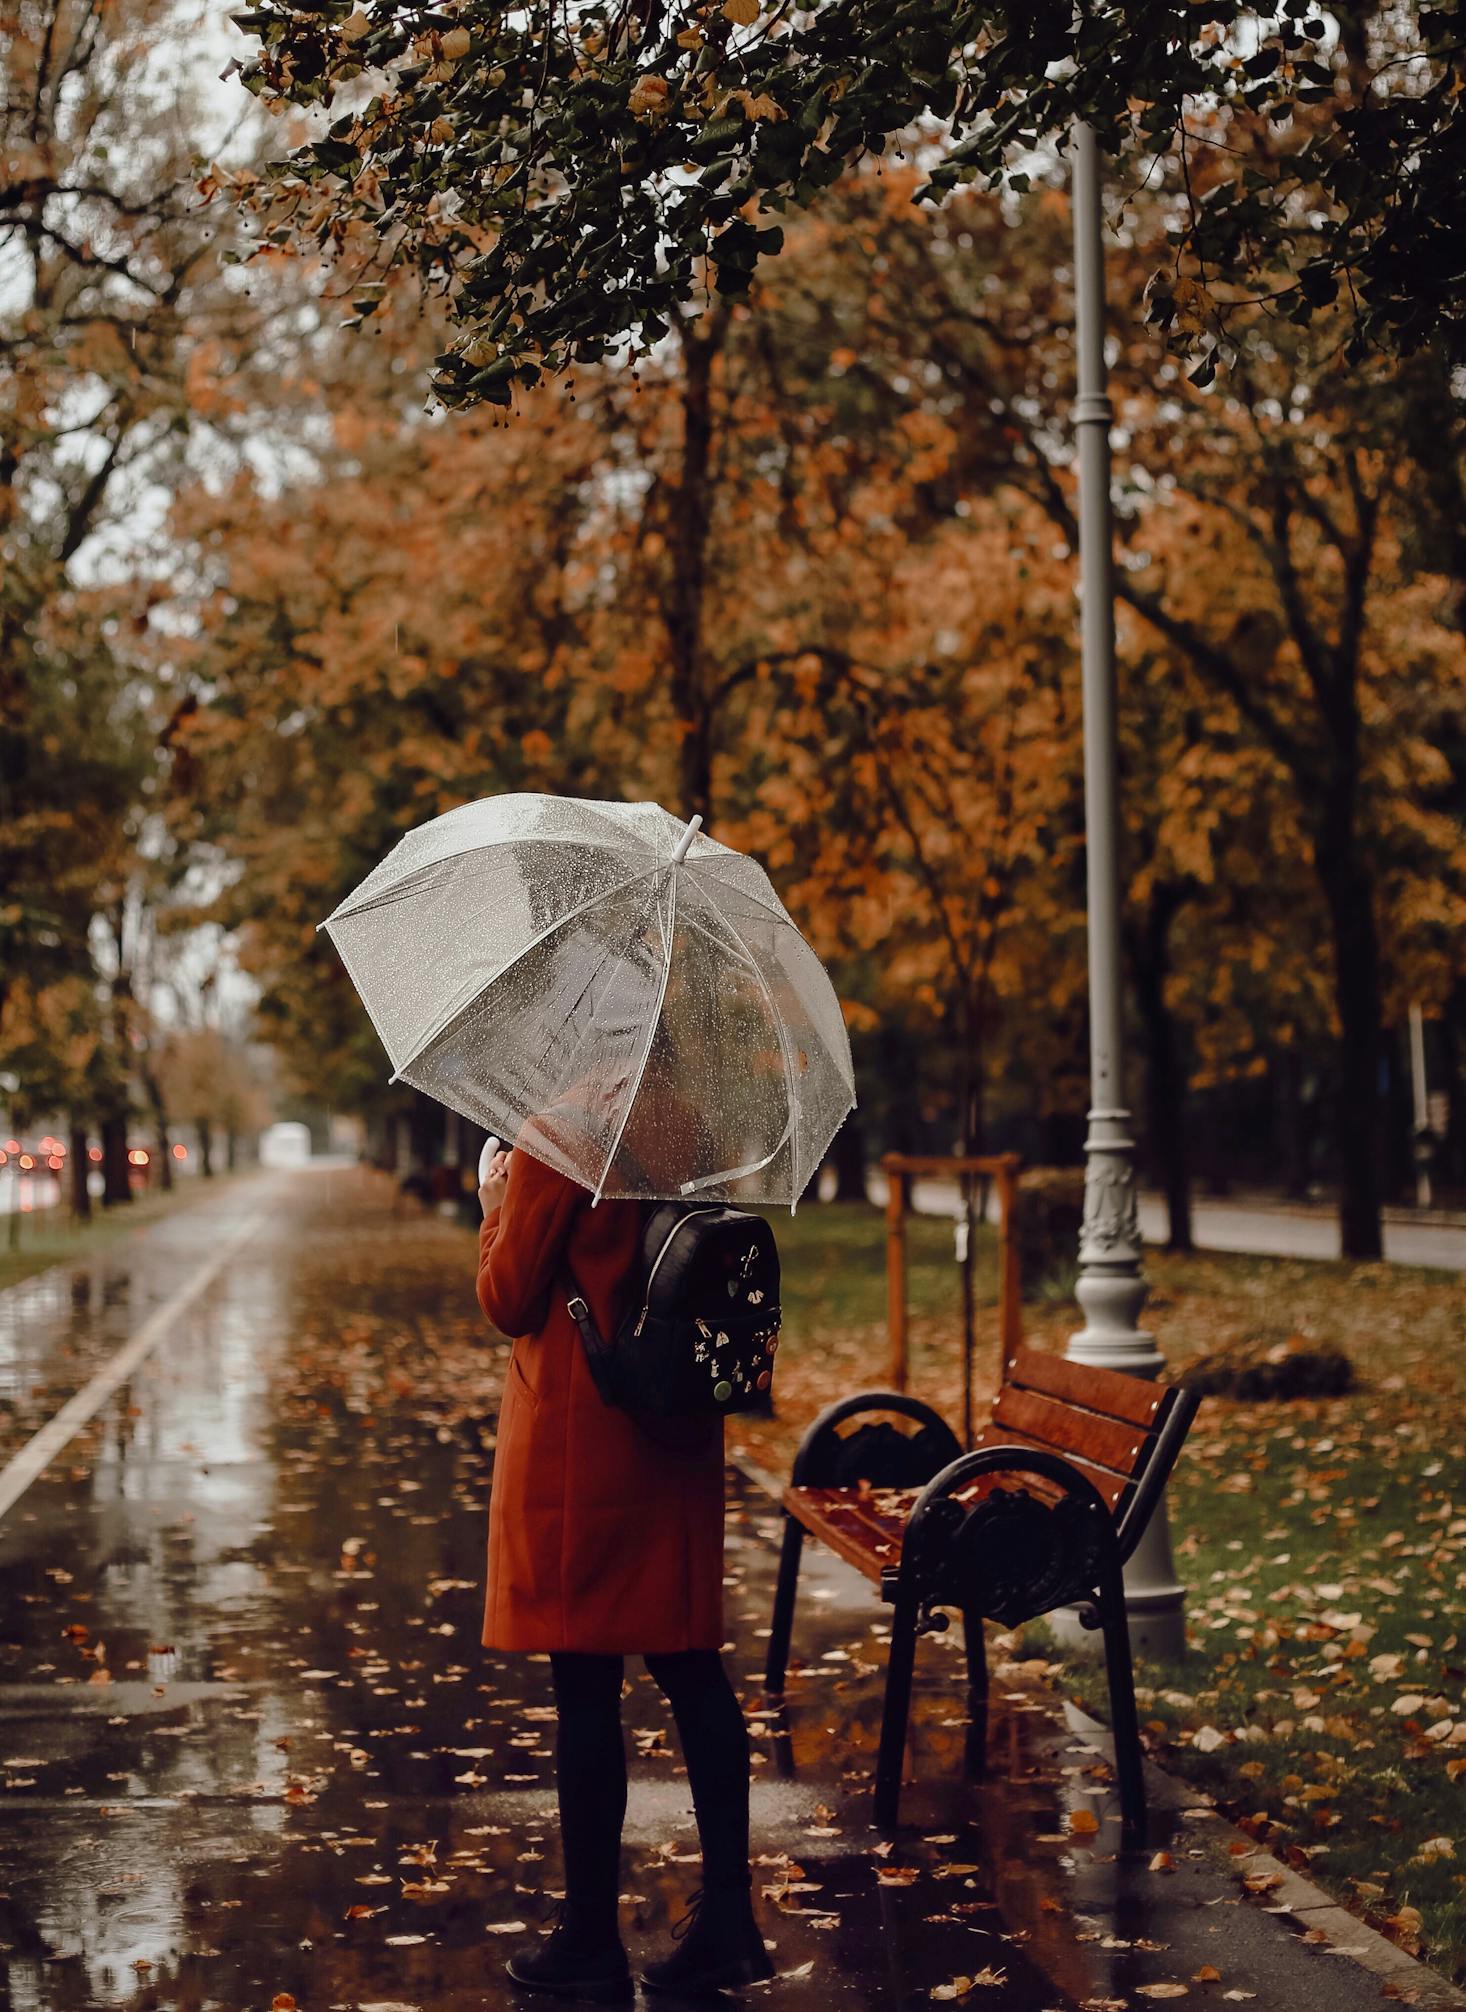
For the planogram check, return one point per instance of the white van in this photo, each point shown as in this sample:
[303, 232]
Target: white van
[285, 1145]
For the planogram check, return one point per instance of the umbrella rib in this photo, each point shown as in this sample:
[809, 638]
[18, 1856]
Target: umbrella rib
[791, 1130]
[408, 885]
[711, 861]
[457, 1012]
[753, 1167]
[646, 1051]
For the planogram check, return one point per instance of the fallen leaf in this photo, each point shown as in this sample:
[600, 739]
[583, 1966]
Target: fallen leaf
[1404, 1929]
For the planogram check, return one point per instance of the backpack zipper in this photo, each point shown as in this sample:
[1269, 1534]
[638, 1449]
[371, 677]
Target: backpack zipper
[651, 1277]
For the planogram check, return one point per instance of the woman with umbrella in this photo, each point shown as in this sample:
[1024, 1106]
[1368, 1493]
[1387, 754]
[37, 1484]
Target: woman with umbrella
[602, 1543]
[615, 976]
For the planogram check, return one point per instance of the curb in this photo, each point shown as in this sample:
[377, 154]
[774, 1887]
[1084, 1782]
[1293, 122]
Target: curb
[1314, 1913]
[1319, 1917]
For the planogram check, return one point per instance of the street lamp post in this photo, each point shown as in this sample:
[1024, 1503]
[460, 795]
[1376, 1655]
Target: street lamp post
[1111, 1288]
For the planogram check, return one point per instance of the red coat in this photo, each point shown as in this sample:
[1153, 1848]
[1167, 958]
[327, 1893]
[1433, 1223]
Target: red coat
[601, 1538]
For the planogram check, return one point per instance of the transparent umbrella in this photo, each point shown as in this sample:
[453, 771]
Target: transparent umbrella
[608, 987]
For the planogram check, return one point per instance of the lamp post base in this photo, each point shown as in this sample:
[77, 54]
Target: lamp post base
[1111, 1293]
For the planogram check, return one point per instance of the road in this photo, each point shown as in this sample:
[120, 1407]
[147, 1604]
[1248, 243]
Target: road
[252, 1754]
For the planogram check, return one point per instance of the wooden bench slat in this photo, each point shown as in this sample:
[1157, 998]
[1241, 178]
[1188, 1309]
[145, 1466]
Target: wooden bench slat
[1107, 1391]
[1112, 1489]
[866, 1523]
[1104, 1442]
[830, 1515]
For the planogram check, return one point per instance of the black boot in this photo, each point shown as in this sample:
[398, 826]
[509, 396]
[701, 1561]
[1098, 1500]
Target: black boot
[575, 1961]
[721, 1946]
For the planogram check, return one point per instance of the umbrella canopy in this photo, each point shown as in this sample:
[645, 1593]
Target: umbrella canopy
[613, 990]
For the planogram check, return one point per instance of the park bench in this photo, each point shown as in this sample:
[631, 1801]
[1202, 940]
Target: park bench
[1042, 1513]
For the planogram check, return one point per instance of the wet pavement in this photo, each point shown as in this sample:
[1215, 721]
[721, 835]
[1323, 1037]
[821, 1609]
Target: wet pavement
[252, 1754]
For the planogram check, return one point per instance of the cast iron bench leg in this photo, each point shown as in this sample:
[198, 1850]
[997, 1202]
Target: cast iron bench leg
[891, 1758]
[977, 1690]
[783, 1621]
[1124, 1721]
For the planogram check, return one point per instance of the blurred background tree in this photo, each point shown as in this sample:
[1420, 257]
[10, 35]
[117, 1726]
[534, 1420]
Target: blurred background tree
[804, 561]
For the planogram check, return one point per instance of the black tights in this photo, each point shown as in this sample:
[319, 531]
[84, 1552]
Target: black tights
[590, 1771]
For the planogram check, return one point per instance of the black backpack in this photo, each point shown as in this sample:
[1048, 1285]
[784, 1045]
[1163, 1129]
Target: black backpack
[699, 1336]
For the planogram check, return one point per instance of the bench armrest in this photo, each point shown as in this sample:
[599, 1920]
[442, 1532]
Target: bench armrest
[851, 1407]
[1006, 1460]
[1169, 1441]
[935, 1505]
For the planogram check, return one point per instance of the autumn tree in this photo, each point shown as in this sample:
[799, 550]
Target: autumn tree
[116, 317]
[835, 530]
[208, 1082]
[1263, 546]
[562, 176]
[398, 629]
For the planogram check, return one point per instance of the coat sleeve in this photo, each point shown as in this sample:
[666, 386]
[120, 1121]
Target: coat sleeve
[521, 1244]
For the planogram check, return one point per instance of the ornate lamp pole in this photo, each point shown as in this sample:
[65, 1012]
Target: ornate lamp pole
[1112, 1288]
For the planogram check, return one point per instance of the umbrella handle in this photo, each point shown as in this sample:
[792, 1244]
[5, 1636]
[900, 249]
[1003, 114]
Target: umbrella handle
[491, 1146]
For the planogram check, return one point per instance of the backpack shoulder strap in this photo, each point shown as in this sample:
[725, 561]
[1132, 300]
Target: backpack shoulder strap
[599, 1354]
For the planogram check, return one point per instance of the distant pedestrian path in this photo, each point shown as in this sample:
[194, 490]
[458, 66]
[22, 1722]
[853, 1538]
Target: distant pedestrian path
[1258, 1227]
[1285, 1230]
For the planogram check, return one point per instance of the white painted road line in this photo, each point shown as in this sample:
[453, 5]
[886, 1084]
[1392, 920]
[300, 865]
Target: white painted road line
[41, 1449]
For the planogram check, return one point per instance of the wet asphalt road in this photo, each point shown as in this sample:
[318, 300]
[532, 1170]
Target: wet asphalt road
[251, 1752]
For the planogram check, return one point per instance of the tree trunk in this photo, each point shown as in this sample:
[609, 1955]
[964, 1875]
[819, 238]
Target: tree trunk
[206, 1148]
[1165, 1068]
[1350, 897]
[81, 1166]
[1285, 1069]
[231, 1149]
[163, 1145]
[116, 1176]
[847, 1156]
[426, 1130]
[1451, 1160]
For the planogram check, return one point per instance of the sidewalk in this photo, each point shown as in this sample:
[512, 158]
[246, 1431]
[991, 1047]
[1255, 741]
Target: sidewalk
[1257, 1225]
[251, 1751]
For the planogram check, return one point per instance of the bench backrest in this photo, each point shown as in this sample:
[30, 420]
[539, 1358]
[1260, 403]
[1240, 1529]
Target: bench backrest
[1122, 1432]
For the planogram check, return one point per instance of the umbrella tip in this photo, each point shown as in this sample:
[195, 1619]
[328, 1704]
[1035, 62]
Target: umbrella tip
[693, 828]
